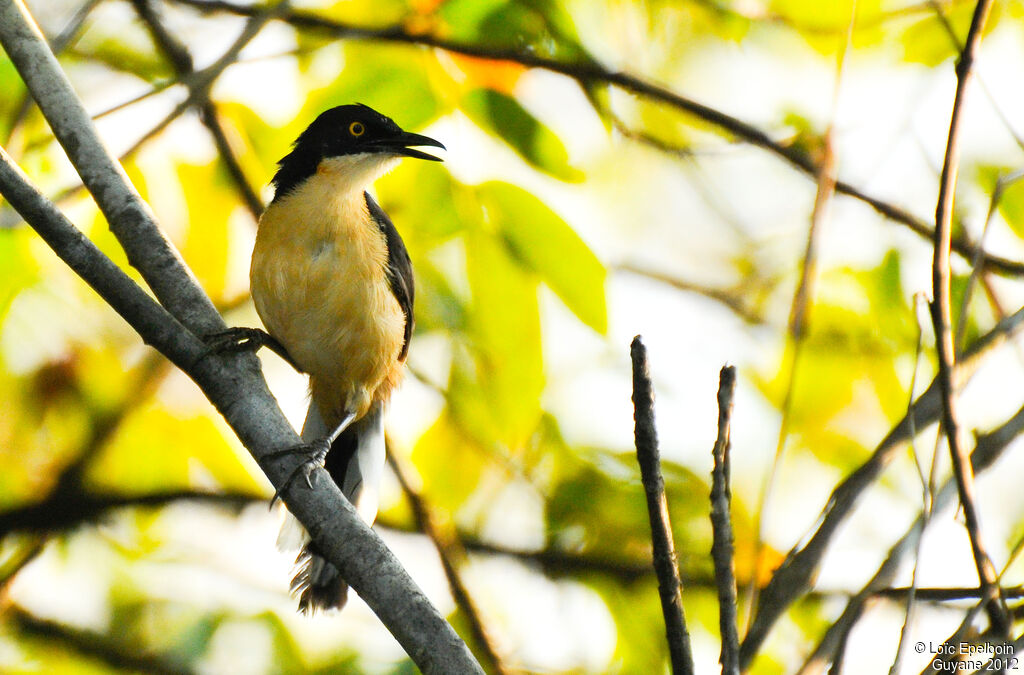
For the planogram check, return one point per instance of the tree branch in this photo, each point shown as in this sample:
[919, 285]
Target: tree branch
[942, 322]
[669, 584]
[794, 575]
[587, 72]
[181, 60]
[721, 525]
[987, 450]
[453, 557]
[234, 385]
[90, 644]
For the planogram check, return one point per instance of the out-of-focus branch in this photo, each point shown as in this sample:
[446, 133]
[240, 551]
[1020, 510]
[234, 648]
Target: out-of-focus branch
[589, 72]
[648, 456]
[799, 320]
[181, 60]
[721, 525]
[62, 510]
[989, 448]
[736, 301]
[793, 577]
[88, 643]
[942, 322]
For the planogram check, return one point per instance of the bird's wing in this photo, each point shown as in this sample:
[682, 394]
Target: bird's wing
[399, 268]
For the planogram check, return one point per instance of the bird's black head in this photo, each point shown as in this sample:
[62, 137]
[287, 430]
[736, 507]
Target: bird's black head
[345, 130]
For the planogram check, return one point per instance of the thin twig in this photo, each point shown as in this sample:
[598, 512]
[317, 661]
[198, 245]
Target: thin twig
[942, 322]
[721, 526]
[1002, 183]
[669, 584]
[927, 498]
[989, 448]
[589, 72]
[799, 319]
[794, 575]
[954, 39]
[735, 300]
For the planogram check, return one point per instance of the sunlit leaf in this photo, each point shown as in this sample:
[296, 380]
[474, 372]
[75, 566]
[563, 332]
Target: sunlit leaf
[155, 450]
[504, 118]
[20, 267]
[539, 25]
[504, 334]
[546, 244]
[440, 448]
[928, 40]
[209, 207]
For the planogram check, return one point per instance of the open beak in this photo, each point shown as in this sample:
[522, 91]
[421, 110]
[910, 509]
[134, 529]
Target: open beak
[403, 145]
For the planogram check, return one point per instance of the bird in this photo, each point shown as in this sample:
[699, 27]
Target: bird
[332, 283]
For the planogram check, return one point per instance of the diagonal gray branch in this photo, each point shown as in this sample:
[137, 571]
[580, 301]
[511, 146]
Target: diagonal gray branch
[233, 383]
[235, 386]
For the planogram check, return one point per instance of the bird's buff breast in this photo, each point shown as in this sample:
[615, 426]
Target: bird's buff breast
[320, 286]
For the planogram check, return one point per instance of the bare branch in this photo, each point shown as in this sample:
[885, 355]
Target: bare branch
[181, 60]
[647, 454]
[794, 576]
[942, 322]
[721, 525]
[735, 300]
[988, 449]
[89, 643]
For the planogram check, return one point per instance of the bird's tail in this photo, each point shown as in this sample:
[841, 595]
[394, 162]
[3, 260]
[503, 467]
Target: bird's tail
[356, 463]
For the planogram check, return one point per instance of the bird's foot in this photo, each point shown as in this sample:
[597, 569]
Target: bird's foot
[245, 339]
[315, 453]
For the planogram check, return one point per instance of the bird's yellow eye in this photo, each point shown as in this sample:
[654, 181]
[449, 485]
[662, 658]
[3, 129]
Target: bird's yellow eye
[356, 129]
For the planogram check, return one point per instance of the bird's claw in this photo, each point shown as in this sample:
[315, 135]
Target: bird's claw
[236, 339]
[316, 453]
[244, 339]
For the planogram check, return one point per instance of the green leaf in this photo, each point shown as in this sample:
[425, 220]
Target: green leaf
[438, 307]
[543, 26]
[546, 245]
[504, 118]
[154, 449]
[1011, 206]
[496, 390]
[19, 265]
[122, 52]
[928, 41]
[209, 205]
[440, 448]
[393, 80]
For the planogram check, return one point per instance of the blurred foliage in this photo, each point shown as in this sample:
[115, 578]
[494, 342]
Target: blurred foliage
[505, 267]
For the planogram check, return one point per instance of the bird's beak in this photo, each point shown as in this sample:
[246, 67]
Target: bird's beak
[403, 143]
